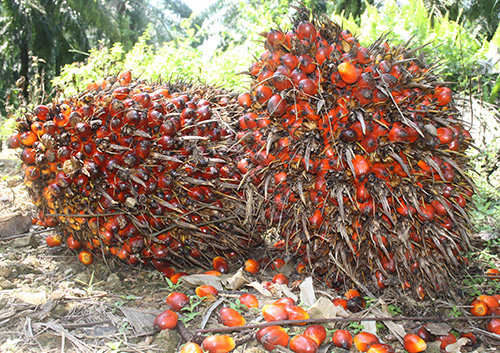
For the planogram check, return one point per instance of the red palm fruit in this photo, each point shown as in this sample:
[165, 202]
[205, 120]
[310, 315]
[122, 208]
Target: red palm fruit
[276, 106]
[263, 94]
[306, 64]
[493, 272]
[445, 135]
[13, 141]
[277, 264]
[249, 300]
[348, 72]
[280, 278]
[306, 30]
[191, 347]
[72, 243]
[245, 100]
[479, 308]
[316, 219]
[308, 87]
[414, 344]
[322, 54]
[497, 297]
[493, 326]
[165, 320]
[206, 291]
[342, 339]
[53, 240]
[285, 301]
[495, 311]
[442, 95]
[28, 156]
[218, 344]
[351, 293]
[176, 301]
[361, 165]
[340, 302]
[297, 76]
[124, 77]
[274, 312]
[356, 304]
[231, 318]
[275, 38]
[296, 313]
[41, 112]
[425, 334]
[446, 340]
[380, 348]
[363, 55]
[272, 336]
[86, 257]
[364, 340]
[491, 301]
[28, 138]
[471, 337]
[252, 266]
[280, 177]
[317, 333]
[220, 264]
[303, 344]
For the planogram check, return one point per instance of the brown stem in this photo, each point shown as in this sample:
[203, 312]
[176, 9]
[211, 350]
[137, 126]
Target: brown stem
[342, 319]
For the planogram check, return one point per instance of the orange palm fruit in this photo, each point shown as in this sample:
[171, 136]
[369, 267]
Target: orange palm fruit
[414, 343]
[231, 318]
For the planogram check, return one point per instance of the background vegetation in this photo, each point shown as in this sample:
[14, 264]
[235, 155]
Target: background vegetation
[56, 47]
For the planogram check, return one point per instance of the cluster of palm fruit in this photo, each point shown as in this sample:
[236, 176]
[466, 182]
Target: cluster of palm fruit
[143, 172]
[357, 156]
[350, 157]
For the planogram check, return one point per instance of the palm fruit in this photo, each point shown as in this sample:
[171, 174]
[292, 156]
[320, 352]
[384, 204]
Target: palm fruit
[144, 172]
[356, 156]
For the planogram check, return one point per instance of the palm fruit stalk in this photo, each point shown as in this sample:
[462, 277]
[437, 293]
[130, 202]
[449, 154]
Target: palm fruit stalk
[356, 156]
[144, 172]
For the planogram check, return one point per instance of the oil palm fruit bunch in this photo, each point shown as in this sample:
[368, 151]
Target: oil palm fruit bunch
[144, 172]
[356, 158]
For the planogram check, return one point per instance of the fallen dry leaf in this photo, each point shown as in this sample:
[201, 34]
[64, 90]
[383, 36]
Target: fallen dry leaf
[201, 279]
[307, 295]
[236, 281]
[260, 288]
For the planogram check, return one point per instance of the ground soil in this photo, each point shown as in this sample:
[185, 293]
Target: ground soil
[50, 302]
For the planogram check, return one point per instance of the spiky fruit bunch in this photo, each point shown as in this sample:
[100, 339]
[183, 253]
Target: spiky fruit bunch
[144, 172]
[356, 156]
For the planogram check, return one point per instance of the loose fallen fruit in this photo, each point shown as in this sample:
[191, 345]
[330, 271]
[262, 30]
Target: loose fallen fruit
[364, 340]
[272, 336]
[414, 343]
[317, 333]
[249, 300]
[218, 344]
[191, 347]
[176, 301]
[274, 312]
[303, 344]
[165, 320]
[231, 318]
[342, 339]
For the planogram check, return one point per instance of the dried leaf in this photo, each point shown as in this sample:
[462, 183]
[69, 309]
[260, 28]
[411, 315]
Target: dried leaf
[260, 288]
[282, 290]
[325, 309]
[438, 328]
[201, 279]
[307, 295]
[236, 281]
[455, 347]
